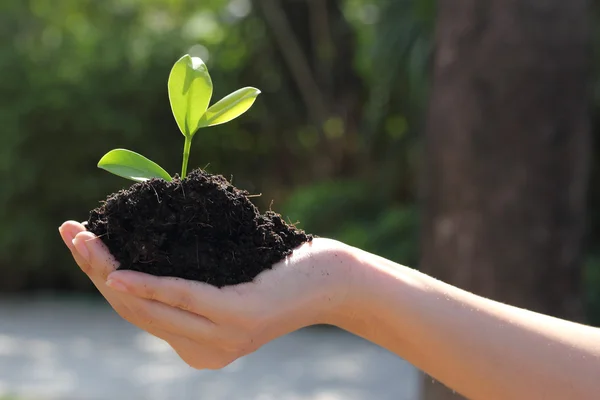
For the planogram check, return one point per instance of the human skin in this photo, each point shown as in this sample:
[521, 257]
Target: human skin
[480, 348]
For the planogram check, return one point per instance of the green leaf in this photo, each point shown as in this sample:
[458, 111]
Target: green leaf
[131, 165]
[190, 90]
[230, 107]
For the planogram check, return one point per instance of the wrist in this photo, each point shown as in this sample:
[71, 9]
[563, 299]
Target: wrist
[375, 290]
[349, 290]
[326, 266]
[341, 287]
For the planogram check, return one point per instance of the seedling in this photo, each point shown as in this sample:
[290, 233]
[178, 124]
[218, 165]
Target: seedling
[190, 91]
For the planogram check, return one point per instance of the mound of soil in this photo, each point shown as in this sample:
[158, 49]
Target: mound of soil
[200, 228]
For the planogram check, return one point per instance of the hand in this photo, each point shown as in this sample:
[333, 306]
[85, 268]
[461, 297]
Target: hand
[210, 327]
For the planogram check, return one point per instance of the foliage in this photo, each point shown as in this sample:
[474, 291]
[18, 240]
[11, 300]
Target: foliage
[334, 141]
[190, 91]
[131, 165]
[79, 76]
[356, 213]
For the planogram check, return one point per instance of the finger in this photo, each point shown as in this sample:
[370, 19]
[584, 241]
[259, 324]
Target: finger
[170, 319]
[113, 298]
[102, 263]
[146, 313]
[68, 231]
[197, 297]
[95, 255]
[179, 315]
[127, 305]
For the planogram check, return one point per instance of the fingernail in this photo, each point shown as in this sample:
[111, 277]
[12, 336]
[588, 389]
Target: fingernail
[116, 285]
[81, 248]
[66, 237]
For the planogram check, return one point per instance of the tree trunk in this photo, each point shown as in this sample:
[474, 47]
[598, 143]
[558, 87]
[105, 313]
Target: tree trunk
[506, 154]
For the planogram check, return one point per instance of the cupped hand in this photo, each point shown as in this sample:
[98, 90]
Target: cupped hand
[211, 327]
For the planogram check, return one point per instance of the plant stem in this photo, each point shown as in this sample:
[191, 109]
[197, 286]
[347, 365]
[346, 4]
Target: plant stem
[186, 156]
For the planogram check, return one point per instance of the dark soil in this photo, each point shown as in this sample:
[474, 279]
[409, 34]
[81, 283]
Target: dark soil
[200, 228]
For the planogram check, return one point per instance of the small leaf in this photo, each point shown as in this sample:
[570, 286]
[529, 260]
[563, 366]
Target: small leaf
[190, 90]
[229, 107]
[131, 165]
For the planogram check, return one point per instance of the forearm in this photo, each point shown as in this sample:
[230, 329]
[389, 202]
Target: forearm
[480, 348]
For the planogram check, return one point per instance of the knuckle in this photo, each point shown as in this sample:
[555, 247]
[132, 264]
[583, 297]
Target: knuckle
[183, 302]
[149, 292]
[85, 267]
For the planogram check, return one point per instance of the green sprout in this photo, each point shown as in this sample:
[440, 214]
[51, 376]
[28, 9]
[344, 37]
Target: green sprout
[190, 90]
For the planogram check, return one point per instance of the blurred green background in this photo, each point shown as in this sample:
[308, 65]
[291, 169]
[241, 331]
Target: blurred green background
[332, 142]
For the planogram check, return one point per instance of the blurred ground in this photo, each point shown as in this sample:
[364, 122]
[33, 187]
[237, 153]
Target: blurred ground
[74, 349]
